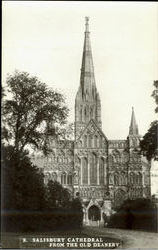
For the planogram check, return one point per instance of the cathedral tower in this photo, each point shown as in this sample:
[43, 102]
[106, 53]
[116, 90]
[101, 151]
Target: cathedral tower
[87, 102]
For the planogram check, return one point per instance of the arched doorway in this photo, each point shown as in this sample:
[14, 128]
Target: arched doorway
[120, 196]
[94, 213]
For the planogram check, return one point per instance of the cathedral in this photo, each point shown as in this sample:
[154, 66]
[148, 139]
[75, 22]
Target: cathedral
[101, 172]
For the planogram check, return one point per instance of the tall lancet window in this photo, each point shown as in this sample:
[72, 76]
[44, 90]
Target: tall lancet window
[81, 114]
[85, 114]
[90, 138]
[69, 179]
[139, 178]
[101, 171]
[93, 169]
[84, 171]
[85, 141]
[86, 94]
[95, 141]
[100, 141]
[63, 178]
[91, 113]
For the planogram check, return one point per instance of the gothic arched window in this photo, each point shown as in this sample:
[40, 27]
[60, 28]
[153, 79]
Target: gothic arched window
[85, 140]
[54, 176]
[93, 169]
[84, 171]
[110, 159]
[76, 178]
[117, 156]
[122, 178]
[86, 94]
[116, 179]
[111, 179]
[90, 141]
[101, 171]
[91, 112]
[95, 141]
[69, 179]
[80, 114]
[85, 114]
[132, 178]
[63, 178]
[139, 178]
[100, 141]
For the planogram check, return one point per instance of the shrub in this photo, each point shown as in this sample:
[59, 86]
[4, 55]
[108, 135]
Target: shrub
[139, 214]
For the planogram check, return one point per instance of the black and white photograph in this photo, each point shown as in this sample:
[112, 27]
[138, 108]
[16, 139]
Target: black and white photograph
[79, 125]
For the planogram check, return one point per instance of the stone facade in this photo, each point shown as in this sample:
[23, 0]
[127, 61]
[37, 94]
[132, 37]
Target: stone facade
[101, 172]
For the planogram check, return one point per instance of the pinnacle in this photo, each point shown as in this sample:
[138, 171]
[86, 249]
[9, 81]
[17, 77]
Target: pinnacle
[133, 130]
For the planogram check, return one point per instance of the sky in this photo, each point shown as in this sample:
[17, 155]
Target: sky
[46, 39]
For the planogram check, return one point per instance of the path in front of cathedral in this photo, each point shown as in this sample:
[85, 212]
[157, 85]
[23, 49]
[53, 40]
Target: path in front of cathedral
[129, 238]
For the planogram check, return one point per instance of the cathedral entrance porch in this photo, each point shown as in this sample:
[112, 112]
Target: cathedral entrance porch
[94, 213]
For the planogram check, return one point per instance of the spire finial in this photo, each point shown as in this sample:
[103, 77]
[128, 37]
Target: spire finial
[87, 23]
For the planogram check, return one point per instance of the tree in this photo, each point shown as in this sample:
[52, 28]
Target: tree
[66, 132]
[23, 197]
[22, 182]
[135, 214]
[57, 196]
[76, 213]
[65, 211]
[32, 111]
[149, 143]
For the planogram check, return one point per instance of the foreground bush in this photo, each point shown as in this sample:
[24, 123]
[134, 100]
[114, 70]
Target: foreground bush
[45, 221]
[139, 214]
[30, 206]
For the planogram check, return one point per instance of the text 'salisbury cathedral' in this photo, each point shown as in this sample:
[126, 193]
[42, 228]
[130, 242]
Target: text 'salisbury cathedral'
[101, 172]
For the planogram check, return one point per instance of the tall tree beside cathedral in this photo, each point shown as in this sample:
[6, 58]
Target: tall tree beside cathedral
[149, 143]
[30, 111]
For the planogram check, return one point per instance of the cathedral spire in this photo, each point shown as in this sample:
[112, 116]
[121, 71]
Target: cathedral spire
[133, 129]
[87, 79]
[87, 102]
[87, 24]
